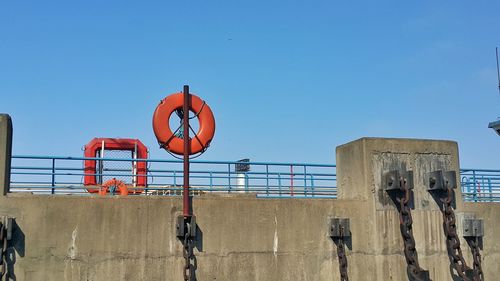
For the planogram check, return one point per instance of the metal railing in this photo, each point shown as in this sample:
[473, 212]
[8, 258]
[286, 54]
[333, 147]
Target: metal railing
[480, 185]
[64, 175]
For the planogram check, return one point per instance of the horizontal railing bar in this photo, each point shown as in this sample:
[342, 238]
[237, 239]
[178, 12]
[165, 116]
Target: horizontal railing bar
[169, 161]
[462, 170]
[231, 175]
[267, 179]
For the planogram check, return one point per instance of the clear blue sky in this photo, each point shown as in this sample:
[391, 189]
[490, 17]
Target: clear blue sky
[287, 80]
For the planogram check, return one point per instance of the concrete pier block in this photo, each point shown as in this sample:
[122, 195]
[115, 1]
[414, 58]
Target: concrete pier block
[361, 164]
[5, 152]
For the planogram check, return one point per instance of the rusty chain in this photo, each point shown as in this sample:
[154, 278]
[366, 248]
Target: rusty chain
[3, 244]
[452, 240]
[406, 226]
[188, 254]
[342, 256]
[476, 256]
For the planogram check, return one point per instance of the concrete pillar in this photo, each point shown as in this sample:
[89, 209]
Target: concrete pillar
[360, 166]
[5, 152]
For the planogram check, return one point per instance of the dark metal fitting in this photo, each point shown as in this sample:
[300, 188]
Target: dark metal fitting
[8, 223]
[242, 165]
[339, 228]
[391, 180]
[422, 275]
[473, 227]
[469, 273]
[440, 180]
[185, 225]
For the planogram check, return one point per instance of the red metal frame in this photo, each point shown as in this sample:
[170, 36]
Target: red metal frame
[114, 144]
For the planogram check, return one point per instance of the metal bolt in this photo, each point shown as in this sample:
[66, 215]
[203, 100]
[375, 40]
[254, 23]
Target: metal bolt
[432, 182]
[390, 182]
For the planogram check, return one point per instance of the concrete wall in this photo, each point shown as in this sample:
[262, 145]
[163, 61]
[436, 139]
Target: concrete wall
[5, 152]
[360, 165]
[245, 238]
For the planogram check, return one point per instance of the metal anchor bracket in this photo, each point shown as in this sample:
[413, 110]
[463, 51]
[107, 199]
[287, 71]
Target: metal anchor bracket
[391, 180]
[339, 228]
[185, 225]
[7, 222]
[473, 227]
[440, 180]
[473, 231]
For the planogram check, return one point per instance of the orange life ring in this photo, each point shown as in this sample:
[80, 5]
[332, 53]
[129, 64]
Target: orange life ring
[166, 137]
[118, 184]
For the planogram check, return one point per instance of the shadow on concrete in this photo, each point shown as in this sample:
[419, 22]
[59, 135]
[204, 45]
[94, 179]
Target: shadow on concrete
[398, 194]
[16, 244]
[422, 275]
[18, 238]
[347, 241]
[198, 244]
[470, 241]
[199, 239]
[439, 195]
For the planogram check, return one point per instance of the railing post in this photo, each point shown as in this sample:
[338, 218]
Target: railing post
[246, 183]
[211, 182]
[481, 190]
[474, 185]
[465, 182]
[175, 179]
[312, 185]
[53, 175]
[267, 179]
[305, 180]
[229, 177]
[490, 190]
[279, 184]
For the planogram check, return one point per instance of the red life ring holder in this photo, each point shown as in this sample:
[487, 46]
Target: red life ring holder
[166, 137]
[118, 184]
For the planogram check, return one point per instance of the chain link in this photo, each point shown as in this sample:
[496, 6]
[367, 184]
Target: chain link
[476, 256]
[452, 240]
[188, 254]
[342, 257]
[406, 226]
[3, 244]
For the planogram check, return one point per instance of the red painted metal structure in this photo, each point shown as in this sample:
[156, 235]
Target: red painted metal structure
[120, 186]
[168, 138]
[187, 209]
[95, 145]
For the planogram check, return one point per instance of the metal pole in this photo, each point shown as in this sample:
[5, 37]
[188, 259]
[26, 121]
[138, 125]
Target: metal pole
[498, 70]
[185, 131]
[53, 175]
[101, 165]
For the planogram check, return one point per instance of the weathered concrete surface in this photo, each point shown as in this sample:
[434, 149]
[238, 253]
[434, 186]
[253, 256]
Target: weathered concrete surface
[5, 152]
[360, 165]
[245, 238]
